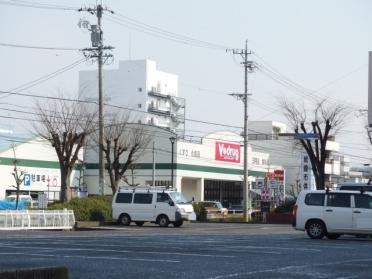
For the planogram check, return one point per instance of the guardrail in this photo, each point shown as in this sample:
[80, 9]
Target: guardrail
[37, 219]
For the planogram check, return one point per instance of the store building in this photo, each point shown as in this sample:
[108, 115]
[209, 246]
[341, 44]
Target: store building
[207, 168]
[38, 161]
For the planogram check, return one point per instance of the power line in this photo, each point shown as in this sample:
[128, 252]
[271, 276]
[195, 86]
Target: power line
[46, 77]
[36, 5]
[91, 102]
[161, 33]
[37, 47]
[278, 77]
[109, 105]
[42, 79]
[278, 150]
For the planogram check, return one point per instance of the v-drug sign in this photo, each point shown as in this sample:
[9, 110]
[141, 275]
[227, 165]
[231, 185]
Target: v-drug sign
[227, 152]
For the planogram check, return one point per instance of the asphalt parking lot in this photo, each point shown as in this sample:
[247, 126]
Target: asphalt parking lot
[197, 250]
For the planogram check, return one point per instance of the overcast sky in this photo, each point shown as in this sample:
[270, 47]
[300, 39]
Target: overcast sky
[299, 46]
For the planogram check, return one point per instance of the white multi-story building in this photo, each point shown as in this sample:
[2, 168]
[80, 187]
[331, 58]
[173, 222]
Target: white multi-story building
[288, 152]
[149, 95]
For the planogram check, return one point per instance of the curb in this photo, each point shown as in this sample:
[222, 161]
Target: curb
[92, 225]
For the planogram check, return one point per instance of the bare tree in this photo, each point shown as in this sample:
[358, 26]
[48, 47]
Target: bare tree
[65, 124]
[123, 144]
[328, 119]
[19, 176]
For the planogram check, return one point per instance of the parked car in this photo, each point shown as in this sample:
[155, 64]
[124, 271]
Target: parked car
[333, 213]
[214, 209]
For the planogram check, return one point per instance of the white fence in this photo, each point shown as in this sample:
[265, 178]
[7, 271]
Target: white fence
[37, 219]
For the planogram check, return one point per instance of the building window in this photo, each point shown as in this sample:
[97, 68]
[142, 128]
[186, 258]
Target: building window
[306, 168]
[139, 105]
[139, 89]
[264, 162]
[306, 159]
[256, 161]
[305, 177]
[159, 183]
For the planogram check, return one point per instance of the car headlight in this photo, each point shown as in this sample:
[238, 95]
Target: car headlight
[181, 210]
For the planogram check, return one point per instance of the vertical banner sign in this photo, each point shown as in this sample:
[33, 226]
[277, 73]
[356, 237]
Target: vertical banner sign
[279, 174]
[227, 152]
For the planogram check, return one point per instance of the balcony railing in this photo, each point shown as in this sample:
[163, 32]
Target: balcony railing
[159, 110]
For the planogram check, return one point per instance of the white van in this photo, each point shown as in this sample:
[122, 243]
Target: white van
[159, 205]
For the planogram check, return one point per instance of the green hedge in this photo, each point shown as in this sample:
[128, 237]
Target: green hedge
[200, 211]
[92, 208]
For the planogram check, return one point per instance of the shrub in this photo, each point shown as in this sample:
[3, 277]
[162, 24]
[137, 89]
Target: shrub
[92, 208]
[200, 211]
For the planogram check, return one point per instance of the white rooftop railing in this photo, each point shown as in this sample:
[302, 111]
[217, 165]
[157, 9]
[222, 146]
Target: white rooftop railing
[37, 219]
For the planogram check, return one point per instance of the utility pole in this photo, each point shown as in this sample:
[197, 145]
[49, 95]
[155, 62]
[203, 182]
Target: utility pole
[153, 163]
[97, 51]
[248, 68]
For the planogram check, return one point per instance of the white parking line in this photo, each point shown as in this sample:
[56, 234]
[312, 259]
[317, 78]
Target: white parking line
[273, 248]
[118, 251]
[232, 275]
[90, 257]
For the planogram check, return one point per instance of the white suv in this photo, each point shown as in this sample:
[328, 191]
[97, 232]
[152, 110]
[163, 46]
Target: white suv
[333, 213]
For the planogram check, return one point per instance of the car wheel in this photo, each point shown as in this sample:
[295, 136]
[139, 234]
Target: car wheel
[316, 229]
[332, 235]
[163, 221]
[139, 223]
[124, 219]
[178, 224]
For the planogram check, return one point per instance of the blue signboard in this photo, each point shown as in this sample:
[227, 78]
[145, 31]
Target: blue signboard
[27, 180]
[308, 136]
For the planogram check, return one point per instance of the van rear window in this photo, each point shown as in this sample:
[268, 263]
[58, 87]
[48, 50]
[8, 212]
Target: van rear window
[142, 198]
[124, 198]
[314, 199]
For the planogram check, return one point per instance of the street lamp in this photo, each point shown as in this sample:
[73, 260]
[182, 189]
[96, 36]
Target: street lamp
[172, 140]
[48, 180]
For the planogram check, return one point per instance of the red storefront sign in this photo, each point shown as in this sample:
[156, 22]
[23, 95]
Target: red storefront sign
[227, 152]
[279, 174]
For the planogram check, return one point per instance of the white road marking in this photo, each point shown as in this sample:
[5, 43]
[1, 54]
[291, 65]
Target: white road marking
[232, 275]
[90, 257]
[119, 251]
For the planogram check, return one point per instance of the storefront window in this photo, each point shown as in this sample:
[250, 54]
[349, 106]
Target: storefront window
[229, 193]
